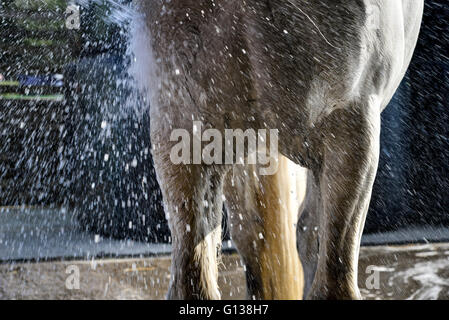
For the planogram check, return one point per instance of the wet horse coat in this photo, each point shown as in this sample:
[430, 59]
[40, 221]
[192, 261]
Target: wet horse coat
[320, 72]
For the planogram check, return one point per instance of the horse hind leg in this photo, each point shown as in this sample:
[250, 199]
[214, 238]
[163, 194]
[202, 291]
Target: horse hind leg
[349, 152]
[262, 213]
[193, 203]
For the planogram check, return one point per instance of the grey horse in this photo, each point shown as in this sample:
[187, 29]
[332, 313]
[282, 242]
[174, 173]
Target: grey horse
[320, 72]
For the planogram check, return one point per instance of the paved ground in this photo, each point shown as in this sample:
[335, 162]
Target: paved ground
[405, 272]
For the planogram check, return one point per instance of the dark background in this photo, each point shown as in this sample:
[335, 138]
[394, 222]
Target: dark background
[115, 199]
[412, 185]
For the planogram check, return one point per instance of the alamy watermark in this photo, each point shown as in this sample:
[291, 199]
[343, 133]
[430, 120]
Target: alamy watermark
[240, 147]
[372, 282]
[72, 282]
[72, 21]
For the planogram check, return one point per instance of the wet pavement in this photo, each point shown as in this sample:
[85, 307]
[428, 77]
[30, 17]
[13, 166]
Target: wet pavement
[32, 233]
[385, 272]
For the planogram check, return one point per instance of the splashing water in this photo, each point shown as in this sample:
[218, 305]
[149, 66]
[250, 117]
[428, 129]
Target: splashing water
[86, 149]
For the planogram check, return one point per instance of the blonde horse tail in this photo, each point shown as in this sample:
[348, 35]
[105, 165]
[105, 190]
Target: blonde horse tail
[263, 212]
